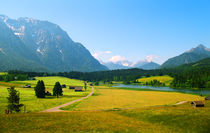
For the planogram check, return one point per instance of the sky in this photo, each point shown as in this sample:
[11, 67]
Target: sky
[117, 30]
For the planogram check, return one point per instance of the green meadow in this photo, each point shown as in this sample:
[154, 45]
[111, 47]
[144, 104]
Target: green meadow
[163, 119]
[107, 110]
[164, 79]
[50, 81]
[3, 73]
[34, 104]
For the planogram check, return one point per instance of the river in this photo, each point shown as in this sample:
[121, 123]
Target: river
[206, 92]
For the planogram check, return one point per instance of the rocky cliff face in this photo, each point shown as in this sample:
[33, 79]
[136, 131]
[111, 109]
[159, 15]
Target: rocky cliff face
[47, 45]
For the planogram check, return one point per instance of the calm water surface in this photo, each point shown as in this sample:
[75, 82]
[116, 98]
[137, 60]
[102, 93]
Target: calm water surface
[163, 89]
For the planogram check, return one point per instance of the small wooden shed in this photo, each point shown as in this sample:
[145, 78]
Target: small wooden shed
[47, 93]
[63, 86]
[71, 87]
[207, 98]
[78, 88]
[197, 103]
[27, 86]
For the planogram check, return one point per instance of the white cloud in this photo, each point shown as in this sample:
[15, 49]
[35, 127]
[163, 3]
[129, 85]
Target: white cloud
[100, 53]
[125, 64]
[150, 58]
[116, 58]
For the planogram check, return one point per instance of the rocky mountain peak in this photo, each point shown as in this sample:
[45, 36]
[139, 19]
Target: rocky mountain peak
[46, 44]
[199, 49]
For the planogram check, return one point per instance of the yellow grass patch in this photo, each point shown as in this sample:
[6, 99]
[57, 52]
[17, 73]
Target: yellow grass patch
[76, 122]
[105, 99]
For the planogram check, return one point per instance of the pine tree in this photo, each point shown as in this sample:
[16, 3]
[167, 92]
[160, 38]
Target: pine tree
[40, 89]
[13, 100]
[57, 90]
[85, 86]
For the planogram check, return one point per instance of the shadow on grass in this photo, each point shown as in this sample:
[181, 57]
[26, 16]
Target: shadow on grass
[64, 96]
[96, 94]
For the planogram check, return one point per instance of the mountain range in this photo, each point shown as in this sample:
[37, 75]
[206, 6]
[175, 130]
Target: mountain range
[190, 56]
[34, 45]
[146, 65]
[193, 55]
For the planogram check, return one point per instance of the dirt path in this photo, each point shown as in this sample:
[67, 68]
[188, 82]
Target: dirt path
[57, 109]
[182, 102]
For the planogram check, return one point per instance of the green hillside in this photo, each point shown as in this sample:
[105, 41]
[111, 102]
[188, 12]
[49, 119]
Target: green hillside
[193, 55]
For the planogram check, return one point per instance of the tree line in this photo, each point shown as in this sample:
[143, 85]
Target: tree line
[191, 75]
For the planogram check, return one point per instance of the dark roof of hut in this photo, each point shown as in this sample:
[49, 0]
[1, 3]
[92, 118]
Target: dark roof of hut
[197, 102]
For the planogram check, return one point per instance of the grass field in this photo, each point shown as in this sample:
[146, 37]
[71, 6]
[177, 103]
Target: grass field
[50, 81]
[106, 98]
[34, 104]
[108, 110]
[3, 73]
[147, 119]
[164, 79]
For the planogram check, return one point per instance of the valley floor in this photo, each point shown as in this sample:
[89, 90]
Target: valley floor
[107, 110]
[106, 98]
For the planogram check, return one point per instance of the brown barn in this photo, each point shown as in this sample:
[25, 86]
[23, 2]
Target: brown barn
[27, 86]
[197, 103]
[71, 87]
[78, 88]
[207, 98]
[63, 86]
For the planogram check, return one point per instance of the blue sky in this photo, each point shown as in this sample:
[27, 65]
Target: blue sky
[124, 29]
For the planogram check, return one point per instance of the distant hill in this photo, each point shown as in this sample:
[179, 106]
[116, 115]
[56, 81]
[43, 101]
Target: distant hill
[199, 64]
[193, 55]
[33, 45]
[150, 66]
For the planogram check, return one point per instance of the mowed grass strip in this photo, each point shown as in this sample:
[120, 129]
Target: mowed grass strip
[75, 122]
[105, 98]
[164, 79]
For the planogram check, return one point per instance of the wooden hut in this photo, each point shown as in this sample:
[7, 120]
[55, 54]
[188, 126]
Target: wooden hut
[207, 98]
[27, 86]
[63, 86]
[71, 87]
[197, 103]
[78, 88]
[47, 93]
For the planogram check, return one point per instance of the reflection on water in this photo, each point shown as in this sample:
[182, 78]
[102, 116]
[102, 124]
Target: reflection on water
[163, 88]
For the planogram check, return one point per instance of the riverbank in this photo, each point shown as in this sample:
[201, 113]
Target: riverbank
[160, 88]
